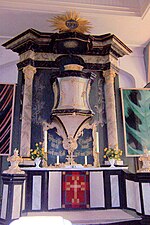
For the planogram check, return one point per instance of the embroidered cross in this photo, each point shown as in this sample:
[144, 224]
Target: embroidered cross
[75, 187]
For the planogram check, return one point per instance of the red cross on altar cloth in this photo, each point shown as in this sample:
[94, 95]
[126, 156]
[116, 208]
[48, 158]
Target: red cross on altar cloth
[75, 189]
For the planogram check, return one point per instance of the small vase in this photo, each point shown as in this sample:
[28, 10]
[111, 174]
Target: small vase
[37, 162]
[112, 162]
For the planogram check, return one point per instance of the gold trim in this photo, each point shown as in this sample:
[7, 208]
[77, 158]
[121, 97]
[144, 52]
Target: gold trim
[70, 22]
[73, 67]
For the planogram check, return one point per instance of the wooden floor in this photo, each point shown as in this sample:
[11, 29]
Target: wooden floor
[93, 217]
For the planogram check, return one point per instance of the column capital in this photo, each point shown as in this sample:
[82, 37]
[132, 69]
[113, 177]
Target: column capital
[29, 71]
[109, 75]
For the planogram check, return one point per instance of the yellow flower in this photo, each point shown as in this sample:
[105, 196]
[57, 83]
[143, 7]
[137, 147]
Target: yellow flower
[112, 152]
[37, 152]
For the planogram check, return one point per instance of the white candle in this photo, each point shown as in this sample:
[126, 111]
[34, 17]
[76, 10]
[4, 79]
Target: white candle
[45, 141]
[97, 141]
[57, 159]
[85, 159]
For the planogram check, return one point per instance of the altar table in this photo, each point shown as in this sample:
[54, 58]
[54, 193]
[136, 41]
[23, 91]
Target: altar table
[52, 188]
[47, 189]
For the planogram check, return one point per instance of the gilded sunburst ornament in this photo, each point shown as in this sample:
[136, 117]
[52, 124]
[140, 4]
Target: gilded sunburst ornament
[70, 22]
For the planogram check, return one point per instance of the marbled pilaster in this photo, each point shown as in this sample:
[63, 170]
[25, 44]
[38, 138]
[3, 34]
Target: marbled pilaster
[109, 76]
[29, 72]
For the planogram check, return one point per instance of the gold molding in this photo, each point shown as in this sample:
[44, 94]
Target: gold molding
[73, 67]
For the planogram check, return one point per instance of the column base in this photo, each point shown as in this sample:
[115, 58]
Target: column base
[12, 197]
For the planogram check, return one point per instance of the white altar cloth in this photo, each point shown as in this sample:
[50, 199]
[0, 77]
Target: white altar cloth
[75, 168]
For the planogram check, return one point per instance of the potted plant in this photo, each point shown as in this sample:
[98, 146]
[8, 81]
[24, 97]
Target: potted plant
[37, 154]
[112, 154]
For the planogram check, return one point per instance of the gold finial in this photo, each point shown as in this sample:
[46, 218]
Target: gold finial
[70, 22]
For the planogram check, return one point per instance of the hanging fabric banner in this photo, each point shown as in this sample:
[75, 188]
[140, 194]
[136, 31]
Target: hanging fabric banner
[6, 117]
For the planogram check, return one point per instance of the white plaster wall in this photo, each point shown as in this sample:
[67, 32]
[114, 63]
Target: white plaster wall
[132, 69]
[9, 73]
[8, 68]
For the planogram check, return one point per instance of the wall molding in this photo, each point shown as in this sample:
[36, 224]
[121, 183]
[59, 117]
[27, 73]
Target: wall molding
[122, 7]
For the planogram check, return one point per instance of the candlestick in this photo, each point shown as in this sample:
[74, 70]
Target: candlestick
[57, 159]
[97, 141]
[85, 158]
[45, 141]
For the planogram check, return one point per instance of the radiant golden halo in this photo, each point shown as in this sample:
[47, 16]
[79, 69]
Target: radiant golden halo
[70, 22]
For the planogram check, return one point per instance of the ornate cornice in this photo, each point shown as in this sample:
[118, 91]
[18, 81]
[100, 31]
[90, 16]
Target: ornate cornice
[51, 42]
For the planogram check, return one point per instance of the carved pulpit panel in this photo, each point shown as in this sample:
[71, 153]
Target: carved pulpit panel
[85, 148]
[55, 147]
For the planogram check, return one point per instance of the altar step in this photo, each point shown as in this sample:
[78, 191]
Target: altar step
[93, 217]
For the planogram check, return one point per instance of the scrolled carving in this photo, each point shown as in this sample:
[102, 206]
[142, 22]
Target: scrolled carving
[70, 143]
[14, 161]
[100, 106]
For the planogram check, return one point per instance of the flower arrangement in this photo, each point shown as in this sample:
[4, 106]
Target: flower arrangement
[112, 153]
[38, 152]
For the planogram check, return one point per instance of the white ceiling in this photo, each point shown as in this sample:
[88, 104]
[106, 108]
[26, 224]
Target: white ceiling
[129, 20]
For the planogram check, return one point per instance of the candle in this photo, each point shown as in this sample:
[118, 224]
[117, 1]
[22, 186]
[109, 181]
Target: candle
[45, 141]
[85, 158]
[97, 141]
[57, 159]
